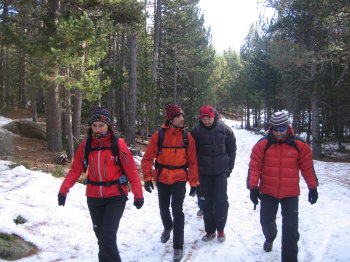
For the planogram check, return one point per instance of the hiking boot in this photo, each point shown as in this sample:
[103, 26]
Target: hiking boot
[178, 253]
[221, 236]
[208, 237]
[267, 246]
[200, 212]
[165, 235]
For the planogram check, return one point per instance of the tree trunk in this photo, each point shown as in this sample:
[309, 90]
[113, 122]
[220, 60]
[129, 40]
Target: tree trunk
[3, 65]
[22, 80]
[114, 65]
[68, 125]
[53, 108]
[156, 39]
[121, 96]
[248, 126]
[175, 79]
[76, 120]
[33, 104]
[53, 120]
[315, 126]
[130, 135]
[2, 76]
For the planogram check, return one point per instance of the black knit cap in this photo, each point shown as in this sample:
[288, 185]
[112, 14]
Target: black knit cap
[100, 114]
[279, 120]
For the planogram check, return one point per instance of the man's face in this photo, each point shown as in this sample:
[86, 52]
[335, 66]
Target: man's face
[279, 133]
[178, 121]
[207, 121]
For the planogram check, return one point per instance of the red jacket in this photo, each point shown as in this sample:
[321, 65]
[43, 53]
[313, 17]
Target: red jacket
[173, 137]
[102, 167]
[276, 172]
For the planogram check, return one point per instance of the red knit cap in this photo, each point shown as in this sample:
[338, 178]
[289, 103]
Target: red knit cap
[206, 111]
[172, 111]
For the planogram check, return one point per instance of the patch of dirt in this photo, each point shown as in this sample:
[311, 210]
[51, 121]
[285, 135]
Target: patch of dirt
[35, 153]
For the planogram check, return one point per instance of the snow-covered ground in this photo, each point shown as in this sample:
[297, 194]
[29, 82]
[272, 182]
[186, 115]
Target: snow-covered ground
[65, 233]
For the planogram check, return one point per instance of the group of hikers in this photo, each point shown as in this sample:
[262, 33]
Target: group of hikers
[203, 157]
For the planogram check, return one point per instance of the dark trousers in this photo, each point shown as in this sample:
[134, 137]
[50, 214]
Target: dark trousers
[290, 234]
[199, 201]
[105, 215]
[215, 202]
[176, 193]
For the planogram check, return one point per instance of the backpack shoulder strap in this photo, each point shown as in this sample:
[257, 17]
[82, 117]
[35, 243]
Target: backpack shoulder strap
[115, 150]
[292, 139]
[185, 138]
[87, 149]
[160, 140]
[269, 143]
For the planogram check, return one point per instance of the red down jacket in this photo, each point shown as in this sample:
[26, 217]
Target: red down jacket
[102, 167]
[276, 172]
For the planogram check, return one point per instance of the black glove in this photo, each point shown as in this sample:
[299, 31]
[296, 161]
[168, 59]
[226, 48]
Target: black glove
[228, 173]
[192, 191]
[148, 185]
[313, 195]
[254, 195]
[62, 199]
[138, 203]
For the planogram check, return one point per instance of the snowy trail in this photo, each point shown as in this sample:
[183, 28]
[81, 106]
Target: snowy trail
[65, 233]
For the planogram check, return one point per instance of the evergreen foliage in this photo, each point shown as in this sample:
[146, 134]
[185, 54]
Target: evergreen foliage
[68, 55]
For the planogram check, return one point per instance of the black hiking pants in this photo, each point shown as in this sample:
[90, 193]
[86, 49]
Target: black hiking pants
[290, 234]
[213, 190]
[176, 193]
[105, 215]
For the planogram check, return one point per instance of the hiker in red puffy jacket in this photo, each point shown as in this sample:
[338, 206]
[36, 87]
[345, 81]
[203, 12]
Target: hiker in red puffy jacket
[107, 179]
[273, 177]
[171, 166]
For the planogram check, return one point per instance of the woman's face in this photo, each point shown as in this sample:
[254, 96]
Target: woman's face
[99, 128]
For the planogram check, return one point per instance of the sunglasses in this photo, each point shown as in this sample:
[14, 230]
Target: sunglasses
[279, 129]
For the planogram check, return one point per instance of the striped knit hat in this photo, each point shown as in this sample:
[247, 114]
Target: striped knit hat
[279, 120]
[100, 114]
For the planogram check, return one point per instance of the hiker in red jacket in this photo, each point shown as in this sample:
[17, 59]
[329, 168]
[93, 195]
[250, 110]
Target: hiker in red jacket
[273, 177]
[174, 152]
[108, 175]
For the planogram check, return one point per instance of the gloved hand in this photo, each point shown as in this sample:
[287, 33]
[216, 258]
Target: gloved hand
[228, 173]
[62, 199]
[148, 185]
[313, 195]
[138, 203]
[192, 191]
[254, 196]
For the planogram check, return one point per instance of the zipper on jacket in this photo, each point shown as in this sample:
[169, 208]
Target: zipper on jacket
[93, 167]
[105, 167]
[99, 165]
[280, 170]
[124, 156]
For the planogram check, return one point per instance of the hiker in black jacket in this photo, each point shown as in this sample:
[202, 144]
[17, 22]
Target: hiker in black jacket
[216, 154]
